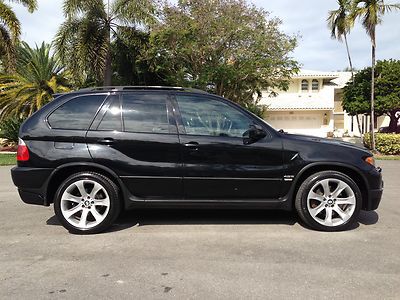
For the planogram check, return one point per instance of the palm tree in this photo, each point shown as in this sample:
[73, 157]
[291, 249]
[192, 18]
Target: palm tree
[10, 30]
[340, 24]
[38, 76]
[371, 13]
[83, 40]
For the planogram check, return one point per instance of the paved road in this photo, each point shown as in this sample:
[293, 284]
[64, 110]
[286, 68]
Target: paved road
[199, 254]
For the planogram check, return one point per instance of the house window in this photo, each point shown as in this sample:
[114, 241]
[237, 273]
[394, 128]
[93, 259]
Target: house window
[315, 85]
[304, 85]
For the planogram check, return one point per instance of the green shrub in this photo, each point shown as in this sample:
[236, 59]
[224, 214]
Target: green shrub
[9, 129]
[385, 143]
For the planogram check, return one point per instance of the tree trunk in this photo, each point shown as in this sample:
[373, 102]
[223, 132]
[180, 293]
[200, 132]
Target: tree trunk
[108, 68]
[107, 63]
[359, 125]
[348, 55]
[373, 92]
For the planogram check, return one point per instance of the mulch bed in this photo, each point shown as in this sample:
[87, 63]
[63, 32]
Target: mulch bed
[8, 148]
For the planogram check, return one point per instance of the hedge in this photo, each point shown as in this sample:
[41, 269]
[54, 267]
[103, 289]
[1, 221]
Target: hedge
[385, 143]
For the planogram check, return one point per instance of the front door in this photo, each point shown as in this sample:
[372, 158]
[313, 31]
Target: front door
[136, 136]
[217, 164]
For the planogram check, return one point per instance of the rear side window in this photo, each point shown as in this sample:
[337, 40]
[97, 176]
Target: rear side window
[76, 114]
[145, 113]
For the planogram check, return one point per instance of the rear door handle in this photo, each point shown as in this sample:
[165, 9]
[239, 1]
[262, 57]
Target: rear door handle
[106, 141]
[192, 145]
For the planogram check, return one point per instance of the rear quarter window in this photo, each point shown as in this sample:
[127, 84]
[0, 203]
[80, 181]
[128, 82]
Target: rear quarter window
[77, 113]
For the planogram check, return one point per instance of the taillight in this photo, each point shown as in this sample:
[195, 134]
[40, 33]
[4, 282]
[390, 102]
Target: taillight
[22, 151]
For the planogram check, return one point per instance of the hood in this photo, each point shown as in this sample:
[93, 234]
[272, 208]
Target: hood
[316, 139]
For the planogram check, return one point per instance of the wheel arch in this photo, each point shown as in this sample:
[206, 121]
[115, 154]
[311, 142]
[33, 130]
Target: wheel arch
[348, 170]
[64, 171]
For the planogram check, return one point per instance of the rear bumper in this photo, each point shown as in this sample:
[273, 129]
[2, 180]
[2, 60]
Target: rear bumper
[31, 184]
[32, 198]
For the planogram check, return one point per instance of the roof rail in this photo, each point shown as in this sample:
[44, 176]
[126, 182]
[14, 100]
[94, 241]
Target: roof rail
[128, 88]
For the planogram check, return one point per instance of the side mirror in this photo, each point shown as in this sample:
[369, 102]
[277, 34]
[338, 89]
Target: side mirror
[254, 134]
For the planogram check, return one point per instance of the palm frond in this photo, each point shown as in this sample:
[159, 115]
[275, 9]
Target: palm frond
[30, 4]
[370, 12]
[134, 12]
[72, 8]
[8, 48]
[339, 20]
[8, 18]
[37, 77]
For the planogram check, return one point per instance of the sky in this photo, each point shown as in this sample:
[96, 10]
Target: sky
[307, 19]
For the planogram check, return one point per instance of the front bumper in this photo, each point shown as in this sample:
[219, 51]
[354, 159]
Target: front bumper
[31, 184]
[376, 190]
[375, 197]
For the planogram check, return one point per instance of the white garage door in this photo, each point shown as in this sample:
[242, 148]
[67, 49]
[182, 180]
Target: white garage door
[298, 122]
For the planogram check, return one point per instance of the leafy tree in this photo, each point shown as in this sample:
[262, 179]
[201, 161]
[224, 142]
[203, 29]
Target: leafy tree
[83, 41]
[128, 64]
[10, 30]
[227, 47]
[9, 129]
[38, 76]
[387, 77]
[388, 91]
[371, 13]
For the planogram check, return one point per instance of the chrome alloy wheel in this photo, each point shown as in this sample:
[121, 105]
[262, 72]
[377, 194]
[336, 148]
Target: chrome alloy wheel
[85, 204]
[331, 202]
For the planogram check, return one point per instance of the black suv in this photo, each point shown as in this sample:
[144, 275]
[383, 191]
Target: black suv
[98, 151]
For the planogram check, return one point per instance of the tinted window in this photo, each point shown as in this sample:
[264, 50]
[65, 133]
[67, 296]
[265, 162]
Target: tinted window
[77, 113]
[206, 116]
[112, 117]
[145, 113]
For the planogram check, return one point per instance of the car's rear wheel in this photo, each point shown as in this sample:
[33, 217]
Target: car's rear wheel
[87, 203]
[328, 201]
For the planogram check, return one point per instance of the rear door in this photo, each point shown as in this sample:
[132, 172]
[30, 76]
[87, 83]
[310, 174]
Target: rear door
[136, 136]
[217, 163]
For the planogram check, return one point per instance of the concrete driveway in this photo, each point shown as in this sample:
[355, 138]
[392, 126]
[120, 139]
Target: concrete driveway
[199, 254]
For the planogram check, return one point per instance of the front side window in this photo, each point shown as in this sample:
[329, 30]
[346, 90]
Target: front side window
[206, 116]
[76, 114]
[145, 113]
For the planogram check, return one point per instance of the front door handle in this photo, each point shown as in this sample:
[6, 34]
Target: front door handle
[106, 141]
[192, 145]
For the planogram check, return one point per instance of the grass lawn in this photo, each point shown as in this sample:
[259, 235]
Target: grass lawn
[387, 157]
[7, 159]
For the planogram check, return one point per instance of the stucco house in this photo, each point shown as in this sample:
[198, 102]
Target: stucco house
[313, 105]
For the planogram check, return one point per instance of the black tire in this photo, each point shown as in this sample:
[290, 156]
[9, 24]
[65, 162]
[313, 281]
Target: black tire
[301, 201]
[114, 202]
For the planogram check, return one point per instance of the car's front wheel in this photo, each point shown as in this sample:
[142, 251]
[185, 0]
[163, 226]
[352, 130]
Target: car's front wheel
[87, 202]
[328, 201]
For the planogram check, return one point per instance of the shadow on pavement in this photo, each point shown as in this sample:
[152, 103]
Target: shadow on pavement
[368, 217]
[136, 218]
